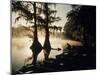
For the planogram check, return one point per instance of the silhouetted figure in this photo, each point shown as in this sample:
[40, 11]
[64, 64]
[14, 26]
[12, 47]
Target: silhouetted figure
[69, 48]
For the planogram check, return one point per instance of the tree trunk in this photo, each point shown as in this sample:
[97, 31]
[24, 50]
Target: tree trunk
[36, 46]
[47, 45]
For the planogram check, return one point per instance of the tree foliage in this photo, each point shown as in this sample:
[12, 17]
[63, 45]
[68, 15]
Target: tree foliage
[35, 13]
[81, 24]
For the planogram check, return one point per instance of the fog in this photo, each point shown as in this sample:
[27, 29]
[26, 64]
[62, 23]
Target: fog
[21, 47]
[22, 38]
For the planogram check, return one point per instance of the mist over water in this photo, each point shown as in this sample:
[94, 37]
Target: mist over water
[20, 51]
[21, 48]
[21, 41]
[72, 37]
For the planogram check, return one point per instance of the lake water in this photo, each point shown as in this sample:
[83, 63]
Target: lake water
[21, 48]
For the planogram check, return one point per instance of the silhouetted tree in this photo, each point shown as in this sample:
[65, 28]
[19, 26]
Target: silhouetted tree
[28, 15]
[82, 23]
[73, 29]
[49, 19]
[38, 21]
[47, 45]
[36, 46]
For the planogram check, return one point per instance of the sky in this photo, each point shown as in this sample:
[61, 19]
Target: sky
[62, 10]
[21, 45]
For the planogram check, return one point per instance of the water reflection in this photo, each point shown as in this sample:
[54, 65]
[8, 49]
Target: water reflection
[21, 48]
